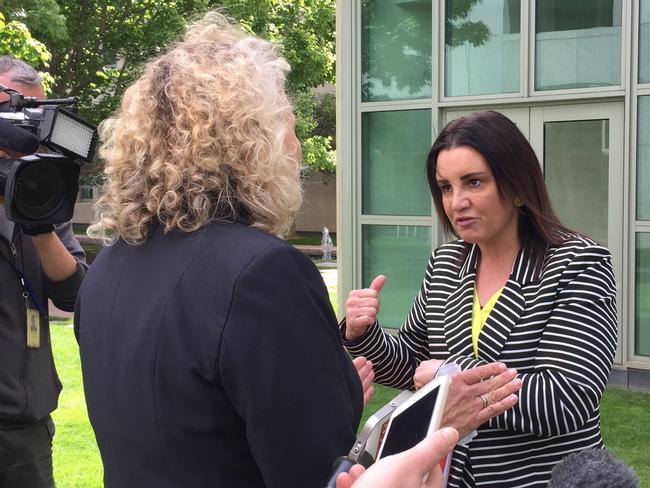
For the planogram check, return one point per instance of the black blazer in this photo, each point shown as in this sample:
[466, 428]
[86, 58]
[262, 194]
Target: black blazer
[212, 359]
[557, 328]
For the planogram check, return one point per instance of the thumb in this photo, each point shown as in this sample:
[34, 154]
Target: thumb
[431, 450]
[378, 283]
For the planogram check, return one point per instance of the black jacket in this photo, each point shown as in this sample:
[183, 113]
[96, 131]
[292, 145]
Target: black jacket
[29, 385]
[212, 359]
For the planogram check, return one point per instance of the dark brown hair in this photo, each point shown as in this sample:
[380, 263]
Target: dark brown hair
[517, 173]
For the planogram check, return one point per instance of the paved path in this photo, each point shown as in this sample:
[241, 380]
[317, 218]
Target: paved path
[330, 277]
[55, 313]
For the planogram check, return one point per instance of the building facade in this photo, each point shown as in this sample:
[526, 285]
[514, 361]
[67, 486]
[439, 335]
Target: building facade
[574, 75]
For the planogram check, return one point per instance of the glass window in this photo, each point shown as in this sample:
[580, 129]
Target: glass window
[644, 42]
[643, 160]
[642, 315]
[577, 43]
[396, 49]
[576, 169]
[400, 252]
[395, 146]
[482, 47]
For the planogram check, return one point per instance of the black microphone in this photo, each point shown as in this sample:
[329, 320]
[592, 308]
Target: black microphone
[595, 468]
[16, 139]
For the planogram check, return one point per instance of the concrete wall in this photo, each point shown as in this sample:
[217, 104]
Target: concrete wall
[319, 206]
[83, 209]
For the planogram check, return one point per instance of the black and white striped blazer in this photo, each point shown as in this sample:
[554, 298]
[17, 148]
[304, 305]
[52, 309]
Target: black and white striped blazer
[557, 327]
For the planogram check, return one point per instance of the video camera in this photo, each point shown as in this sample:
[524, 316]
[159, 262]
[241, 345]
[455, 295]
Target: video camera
[41, 188]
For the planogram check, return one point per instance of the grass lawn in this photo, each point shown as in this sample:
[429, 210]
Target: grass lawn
[310, 238]
[77, 464]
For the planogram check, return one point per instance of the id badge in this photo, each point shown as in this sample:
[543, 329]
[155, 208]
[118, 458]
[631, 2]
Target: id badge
[33, 329]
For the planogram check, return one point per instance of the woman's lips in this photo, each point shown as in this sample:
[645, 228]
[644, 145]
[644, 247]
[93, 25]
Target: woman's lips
[464, 222]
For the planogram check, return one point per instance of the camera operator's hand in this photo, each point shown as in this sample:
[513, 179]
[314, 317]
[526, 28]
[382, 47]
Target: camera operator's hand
[35, 230]
[56, 261]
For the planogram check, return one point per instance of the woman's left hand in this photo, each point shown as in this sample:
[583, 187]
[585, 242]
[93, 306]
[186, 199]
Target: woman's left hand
[425, 372]
[478, 394]
[366, 375]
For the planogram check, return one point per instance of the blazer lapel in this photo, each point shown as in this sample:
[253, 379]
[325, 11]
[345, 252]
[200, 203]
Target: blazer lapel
[506, 312]
[458, 309]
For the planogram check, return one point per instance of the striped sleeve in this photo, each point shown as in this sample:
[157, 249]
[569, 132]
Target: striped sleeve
[395, 358]
[575, 353]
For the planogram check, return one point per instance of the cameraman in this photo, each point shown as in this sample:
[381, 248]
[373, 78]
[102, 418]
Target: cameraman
[53, 265]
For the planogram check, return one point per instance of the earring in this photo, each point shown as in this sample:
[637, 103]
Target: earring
[518, 203]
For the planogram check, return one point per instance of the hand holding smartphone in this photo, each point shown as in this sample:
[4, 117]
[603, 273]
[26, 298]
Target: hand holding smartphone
[415, 418]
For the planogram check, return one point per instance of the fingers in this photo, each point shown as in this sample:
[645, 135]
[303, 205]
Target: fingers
[407, 468]
[500, 395]
[366, 375]
[491, 384]
[431, 450]
[378, 283]
[345, 480]
[480, 373]
[435, 478]
[425, 372]
[361, 308]
[497, 408]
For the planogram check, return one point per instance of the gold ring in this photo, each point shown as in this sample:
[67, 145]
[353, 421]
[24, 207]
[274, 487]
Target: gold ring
[486, 402]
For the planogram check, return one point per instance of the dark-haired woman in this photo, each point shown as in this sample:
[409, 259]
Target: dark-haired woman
[516, 286]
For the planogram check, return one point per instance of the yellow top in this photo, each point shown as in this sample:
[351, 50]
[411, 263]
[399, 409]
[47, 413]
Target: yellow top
[480, 315]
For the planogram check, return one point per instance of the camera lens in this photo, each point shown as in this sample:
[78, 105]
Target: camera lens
[40, 190]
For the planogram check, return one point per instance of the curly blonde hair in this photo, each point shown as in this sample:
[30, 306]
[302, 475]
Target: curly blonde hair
[200, 136]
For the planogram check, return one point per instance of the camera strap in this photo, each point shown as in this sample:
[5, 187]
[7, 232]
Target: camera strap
[28, 290]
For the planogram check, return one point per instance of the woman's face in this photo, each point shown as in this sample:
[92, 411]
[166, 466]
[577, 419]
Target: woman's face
[471, 198]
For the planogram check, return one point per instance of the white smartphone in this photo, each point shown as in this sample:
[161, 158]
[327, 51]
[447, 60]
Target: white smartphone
[417, 417]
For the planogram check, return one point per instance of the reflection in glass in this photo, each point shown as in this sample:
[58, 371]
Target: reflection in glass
[576, 169]
[481, 47]
[643, 160]
[642, 315]
[577, 43]
[644, 42]
[400, 252]
[394, 147]
[396, 49]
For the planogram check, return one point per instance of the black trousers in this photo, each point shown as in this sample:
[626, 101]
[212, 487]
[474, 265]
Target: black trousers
[26, 455]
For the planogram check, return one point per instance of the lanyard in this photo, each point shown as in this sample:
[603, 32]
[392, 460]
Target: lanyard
[28, 290]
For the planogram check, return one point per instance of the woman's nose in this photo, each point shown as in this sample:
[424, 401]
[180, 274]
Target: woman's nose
[459, 200]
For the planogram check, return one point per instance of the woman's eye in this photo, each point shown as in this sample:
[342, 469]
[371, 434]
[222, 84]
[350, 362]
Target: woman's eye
[445, 188]
[474, 183]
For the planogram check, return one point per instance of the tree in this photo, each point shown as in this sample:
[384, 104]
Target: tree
[305, 30]
[98, 57]
[17, 40]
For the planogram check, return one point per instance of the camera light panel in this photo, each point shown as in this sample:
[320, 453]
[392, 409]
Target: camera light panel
[72, 135]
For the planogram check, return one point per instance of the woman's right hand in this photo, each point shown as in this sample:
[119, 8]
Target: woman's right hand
[362, 308]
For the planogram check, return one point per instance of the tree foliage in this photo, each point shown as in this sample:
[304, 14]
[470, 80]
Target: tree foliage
[94, 49]
[16, 39]
[304, 29]
[305, 32]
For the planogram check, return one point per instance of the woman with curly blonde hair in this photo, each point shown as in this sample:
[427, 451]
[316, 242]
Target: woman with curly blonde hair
[199, 328]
